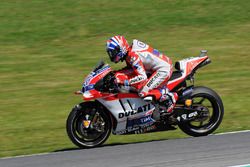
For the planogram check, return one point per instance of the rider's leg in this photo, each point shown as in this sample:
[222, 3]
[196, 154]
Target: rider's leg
[156, 81]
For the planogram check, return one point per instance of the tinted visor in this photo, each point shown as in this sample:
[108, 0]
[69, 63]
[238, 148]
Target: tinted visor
[113, 53]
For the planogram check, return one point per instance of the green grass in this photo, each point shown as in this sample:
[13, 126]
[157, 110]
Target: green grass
[46, 48]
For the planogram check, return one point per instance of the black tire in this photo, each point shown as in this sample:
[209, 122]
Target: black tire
[88, 137]
[213, 122]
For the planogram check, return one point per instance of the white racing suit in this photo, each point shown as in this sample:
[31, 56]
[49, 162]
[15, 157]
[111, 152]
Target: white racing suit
[146, 60]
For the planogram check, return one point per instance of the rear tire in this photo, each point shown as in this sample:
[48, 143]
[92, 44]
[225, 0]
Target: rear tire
[213, 119]
[94, 135]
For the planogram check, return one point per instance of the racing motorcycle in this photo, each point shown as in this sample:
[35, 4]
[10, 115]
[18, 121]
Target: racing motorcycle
[107, 108]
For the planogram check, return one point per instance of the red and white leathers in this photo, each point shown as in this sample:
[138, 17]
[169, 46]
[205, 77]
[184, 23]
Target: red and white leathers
[144, 60]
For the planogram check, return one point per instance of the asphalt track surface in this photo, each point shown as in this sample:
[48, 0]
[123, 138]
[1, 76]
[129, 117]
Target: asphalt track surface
[210, 151]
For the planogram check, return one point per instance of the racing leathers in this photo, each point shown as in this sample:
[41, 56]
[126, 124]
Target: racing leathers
[145, 60]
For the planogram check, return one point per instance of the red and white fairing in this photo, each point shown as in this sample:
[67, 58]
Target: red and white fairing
[89, 93]
[186, 67]
[129, 110]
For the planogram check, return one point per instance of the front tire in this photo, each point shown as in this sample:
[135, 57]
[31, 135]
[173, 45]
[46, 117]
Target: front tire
[88, 125]
[209, 101]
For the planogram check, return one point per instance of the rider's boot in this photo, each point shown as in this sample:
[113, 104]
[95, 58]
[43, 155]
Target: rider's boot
[168, 100]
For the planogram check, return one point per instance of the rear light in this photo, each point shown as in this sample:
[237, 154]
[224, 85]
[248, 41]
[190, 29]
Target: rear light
[188, 102]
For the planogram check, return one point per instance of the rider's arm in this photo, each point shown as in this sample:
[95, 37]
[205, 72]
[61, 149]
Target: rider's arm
[135, 62]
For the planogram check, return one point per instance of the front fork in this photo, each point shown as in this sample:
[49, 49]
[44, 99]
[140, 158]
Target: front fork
[92, 121]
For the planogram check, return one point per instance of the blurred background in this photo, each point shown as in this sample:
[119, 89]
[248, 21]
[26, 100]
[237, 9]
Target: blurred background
[48, 46]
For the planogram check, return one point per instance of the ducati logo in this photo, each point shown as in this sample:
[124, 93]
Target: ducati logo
[152, 80]
[133, 112]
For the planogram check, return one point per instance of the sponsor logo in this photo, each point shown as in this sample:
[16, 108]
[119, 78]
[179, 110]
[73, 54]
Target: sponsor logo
[133, 112]
[145, 119]
[146, 129]
[184, 116]
[187, 116]
[137, 79]
[149, 84]
[102, 72]
[140, 121]
[138, 128]
[193, 114]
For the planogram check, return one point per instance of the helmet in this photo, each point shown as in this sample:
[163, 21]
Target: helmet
[117, 48]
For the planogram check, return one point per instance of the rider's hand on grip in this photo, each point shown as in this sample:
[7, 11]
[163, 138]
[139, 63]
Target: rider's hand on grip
[120, 82]
[121, 79]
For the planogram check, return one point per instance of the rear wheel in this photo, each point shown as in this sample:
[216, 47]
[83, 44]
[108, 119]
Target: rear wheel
[88, 125]
[211, 112]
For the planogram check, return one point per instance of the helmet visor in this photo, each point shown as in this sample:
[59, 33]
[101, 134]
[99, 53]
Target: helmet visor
[114, 54]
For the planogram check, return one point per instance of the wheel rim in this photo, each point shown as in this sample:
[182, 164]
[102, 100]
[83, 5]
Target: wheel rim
[209, 115]
[95, 133]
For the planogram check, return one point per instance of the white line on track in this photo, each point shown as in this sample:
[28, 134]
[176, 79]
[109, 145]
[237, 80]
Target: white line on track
[31, 155]
[225, 133]
[245, 165]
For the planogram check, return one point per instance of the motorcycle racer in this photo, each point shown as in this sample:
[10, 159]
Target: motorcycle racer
[142, 59]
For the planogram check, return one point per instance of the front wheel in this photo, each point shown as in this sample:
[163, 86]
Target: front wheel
[88, 125]
[210, 104]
